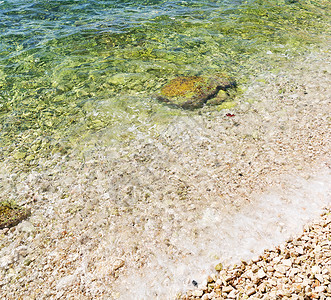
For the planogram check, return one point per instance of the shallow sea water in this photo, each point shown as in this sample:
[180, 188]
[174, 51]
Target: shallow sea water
[72, 68]
[229, 237]
[77, 78]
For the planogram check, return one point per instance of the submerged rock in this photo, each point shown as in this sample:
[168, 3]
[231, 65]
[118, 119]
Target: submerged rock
[190, 92]
[11, 214]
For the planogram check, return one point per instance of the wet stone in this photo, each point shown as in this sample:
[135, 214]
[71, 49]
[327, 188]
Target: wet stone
[205, 297]
[26, 227]
[194, 283]
[191, 92]
[219, 267]
[11, 214]
[197, 293]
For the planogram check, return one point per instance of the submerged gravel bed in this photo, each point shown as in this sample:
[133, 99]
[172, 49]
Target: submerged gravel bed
[141, 221]
[297, 269]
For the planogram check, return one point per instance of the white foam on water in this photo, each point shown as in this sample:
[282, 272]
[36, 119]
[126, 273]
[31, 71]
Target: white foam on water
[269, 220]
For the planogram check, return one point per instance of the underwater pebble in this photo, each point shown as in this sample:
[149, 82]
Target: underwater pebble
[65, 282]
[6, 260]
[26, 226]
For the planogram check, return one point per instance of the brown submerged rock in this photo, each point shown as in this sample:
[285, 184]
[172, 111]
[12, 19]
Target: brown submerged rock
[190, 92]
[11, 214]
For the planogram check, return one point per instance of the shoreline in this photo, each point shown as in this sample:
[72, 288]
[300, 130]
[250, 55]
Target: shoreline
[143, 220]
[296, 269]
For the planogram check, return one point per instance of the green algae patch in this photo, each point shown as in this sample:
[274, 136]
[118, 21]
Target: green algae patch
[227, 105]
[11, 214]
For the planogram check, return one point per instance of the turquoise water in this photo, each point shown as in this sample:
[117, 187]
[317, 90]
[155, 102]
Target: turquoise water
[69, 69]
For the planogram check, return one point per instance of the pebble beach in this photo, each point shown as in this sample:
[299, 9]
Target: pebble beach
[297, 269]
[146, 219]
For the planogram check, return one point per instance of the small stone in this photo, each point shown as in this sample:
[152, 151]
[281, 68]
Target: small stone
[204, 285]
[261, 274]
[218, 282]
[205, 297]
[272, 295]
[316, 269]
[325, 271]
[19, 155]
[5, 230]
[319, 277]
[30, 157]
[262, 287]
[250, 292]
[227, 289]
[213, 276]
[278, 274]
[287, 262]
[26, 226]
[197, 293]
[280, 269]
[306, 283]
[232, 294]
[59, 294]
[5, 261]
[299, 250]
[277, 259]
[65, 282]
[293, 272]
[248, 274]
[320, 289]
[27, 261]
[254, 268]
[287, 293]
[219, 267]
[118, 79]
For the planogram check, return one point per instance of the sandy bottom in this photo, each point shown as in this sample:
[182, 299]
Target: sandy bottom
[143, 220]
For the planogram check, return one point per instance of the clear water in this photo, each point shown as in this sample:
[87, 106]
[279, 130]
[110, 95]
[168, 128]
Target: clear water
[70, 70]
[74, 67]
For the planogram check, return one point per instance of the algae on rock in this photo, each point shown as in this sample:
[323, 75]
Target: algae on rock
[190, 92]
[11, 214]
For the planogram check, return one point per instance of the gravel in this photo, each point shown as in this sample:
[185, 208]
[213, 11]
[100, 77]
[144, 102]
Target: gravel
[297, 269]
[142, 220]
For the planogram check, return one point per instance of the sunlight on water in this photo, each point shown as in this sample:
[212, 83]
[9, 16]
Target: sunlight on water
[70, 68]
[132, 198]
